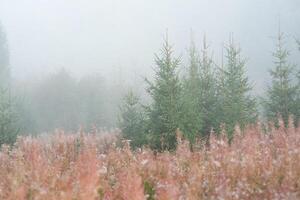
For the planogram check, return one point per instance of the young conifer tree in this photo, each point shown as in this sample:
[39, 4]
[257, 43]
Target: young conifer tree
[297, 102]
[192, 114]
[208, 90]
[166, 90]
[239, 107]
[281, 97]
[296, 110]
[4, 60]
[220, 94]
[132, 120]
[8, 116]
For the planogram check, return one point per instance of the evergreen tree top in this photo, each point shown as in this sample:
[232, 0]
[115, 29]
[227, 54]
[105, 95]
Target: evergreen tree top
[283, 72]
[283, 69]
[4, 55]
[166, 71]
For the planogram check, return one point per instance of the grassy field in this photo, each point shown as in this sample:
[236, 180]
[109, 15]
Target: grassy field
[100, 166]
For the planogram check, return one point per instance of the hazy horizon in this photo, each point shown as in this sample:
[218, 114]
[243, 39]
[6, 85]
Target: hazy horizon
[117, 39]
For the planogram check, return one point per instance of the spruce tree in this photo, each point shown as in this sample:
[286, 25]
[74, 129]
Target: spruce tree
[296, 110]
[192, 116]
[208, 91]
[239, 108]
[282, 93]
[132, 120]
[166, 109]
[4, 60]
[220, 95]
[297, 106]
[8, 116]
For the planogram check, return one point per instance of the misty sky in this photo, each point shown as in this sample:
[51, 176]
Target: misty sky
[117, 38]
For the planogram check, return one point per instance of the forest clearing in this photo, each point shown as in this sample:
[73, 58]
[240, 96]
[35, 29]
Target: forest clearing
[99, 166]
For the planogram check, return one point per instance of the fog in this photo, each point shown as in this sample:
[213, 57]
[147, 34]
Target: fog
[117, 39]
[102, 99]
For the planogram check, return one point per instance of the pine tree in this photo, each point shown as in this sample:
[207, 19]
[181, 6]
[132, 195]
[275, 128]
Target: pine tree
[282, 93]
[8, 116]
[166, 109]
[192, 116]
[132, 120]
[239, 108]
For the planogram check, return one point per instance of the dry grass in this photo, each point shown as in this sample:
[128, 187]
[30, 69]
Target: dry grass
[91, 166]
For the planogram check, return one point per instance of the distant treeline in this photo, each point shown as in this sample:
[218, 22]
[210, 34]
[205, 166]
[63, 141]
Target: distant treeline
[61, 101]
[57, 101]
